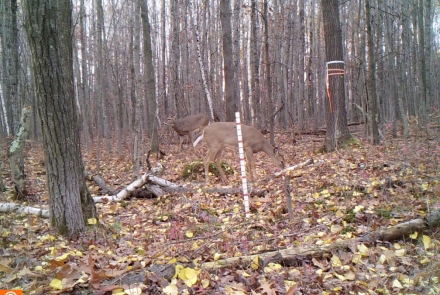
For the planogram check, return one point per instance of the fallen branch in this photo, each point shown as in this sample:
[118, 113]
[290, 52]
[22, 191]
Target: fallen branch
[11, 207]
[104, 188]
[287, 256]
[307, 162]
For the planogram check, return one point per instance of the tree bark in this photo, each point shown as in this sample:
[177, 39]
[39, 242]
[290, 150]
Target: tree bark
[371, 80]
[336, 114]
[228, 62]
[255, 68]
[16, 156]
[48, 25]
[201, 65]
[150, 85]
[10, 55]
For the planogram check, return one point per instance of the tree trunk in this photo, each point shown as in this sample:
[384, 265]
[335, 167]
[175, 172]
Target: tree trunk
[84, 92]
[150, 85]
[176, 93]
[201, 65]
[16, 156]
[255, 67]
[136, 94]
[336, 116]
[10, 54]
[228, 63]
[423, 84]
[48, 24]
[371, 80]
[270, 102]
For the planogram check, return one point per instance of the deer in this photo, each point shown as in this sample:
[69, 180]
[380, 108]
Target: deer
[224, 134]
[187, 125]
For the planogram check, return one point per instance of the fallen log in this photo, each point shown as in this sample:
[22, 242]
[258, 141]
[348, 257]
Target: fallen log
[430, 222]
[289, 256]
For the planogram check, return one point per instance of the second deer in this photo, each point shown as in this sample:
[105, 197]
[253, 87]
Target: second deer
[222, 134]
[187, 125]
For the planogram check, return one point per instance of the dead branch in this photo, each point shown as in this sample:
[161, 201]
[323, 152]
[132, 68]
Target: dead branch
[103, 187]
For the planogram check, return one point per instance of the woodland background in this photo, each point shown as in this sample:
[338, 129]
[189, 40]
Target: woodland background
[288, 78]
[278, 71]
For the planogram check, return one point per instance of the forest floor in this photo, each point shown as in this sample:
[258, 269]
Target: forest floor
[343, 195]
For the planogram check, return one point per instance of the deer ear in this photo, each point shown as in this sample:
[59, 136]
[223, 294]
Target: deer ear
[276, 151]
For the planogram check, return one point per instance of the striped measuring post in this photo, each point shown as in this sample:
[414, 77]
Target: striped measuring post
[242, 165]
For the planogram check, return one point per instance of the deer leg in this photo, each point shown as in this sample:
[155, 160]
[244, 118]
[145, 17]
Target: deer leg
[181, 141]
[217, 159]
[250, 163]
[208, 158]
[190, 136]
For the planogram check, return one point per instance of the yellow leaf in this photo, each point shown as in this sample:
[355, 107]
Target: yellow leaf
[189, 234]
[217, 256]
[349, 275]
[171, 289]
[336, 261]
[254, 264]
[177, 270]
[272, 267]
[118, 291]
[172, 261]
[341, 277]
[426, 242]
[414, 235]
[56, 284]
[363, 249]
[48, 238]
[397, 284]
[400, 253]
[205, 283]
[188, 276]
[358, 208]
[382, 259]
[92, 221]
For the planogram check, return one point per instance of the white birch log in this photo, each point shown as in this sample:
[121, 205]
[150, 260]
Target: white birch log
[11, 207]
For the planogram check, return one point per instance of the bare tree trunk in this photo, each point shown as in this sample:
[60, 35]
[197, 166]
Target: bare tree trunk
[301, 65]
[138, 105]
[423, 68]
[16, 156]
[200, 61]
[150, 85]
[270, 102]
[84, 95]
[228, 62]
[236, 37]
[49, 28]
[176, 93]
[255, 67]
[371, 79]
[336, 118]
[166, 106]
[10, 52]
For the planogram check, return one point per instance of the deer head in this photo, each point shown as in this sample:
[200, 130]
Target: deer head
[222, 134]
[187, 125]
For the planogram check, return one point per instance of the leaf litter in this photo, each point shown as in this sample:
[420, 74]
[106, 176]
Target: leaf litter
[345, 194]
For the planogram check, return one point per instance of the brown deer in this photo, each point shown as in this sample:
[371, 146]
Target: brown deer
[187, 125]
[219, 135]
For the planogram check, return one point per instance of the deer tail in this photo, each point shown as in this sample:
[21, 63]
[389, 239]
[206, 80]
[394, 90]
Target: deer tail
[198, 139]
